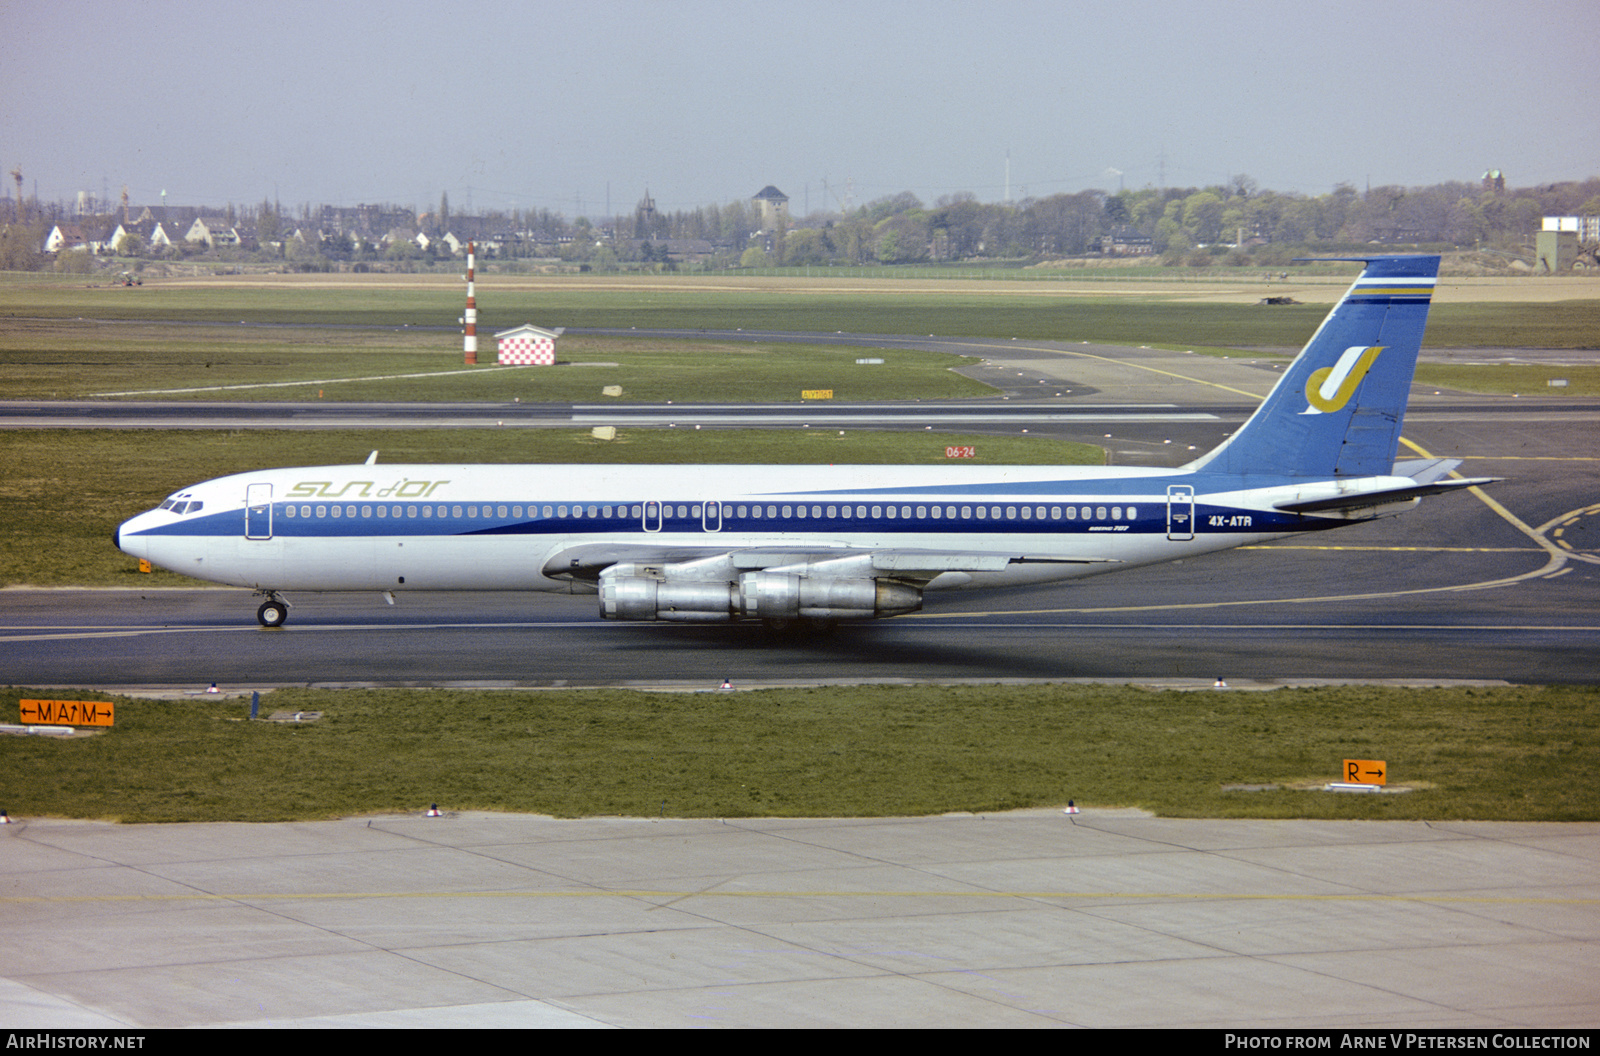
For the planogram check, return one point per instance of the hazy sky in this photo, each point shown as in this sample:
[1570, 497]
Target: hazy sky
[534, 104]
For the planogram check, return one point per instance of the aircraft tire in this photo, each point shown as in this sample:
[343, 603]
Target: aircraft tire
[272, 613]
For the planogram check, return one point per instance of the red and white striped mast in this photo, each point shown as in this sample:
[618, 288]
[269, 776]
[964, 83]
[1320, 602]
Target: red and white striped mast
[470, 346]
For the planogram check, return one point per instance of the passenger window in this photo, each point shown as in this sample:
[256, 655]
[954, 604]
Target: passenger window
[366, 511]
[1072, 513]
[1133, 513]
[1100, 513]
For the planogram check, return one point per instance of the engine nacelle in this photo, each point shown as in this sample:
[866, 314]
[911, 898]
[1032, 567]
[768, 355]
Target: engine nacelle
[779, 596]
[636, 597]
[635, 592]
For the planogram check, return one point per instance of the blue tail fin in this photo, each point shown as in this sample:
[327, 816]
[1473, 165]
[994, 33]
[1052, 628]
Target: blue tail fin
[1337, 410]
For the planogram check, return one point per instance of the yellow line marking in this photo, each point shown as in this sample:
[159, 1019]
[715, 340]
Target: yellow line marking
[1120, 363]
[1557, 558]
[1428, 549]
[1528, 458]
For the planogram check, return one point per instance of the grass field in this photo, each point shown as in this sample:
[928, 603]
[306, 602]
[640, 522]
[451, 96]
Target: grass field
[66, 490]
[68, 359]
[1149, 312]
[1522, 754]
[1510, 378]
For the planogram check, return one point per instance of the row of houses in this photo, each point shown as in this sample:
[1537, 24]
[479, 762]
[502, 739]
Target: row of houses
[159, 227]
[110, 235]
[153, 233]
[149, 234]
[378, 227]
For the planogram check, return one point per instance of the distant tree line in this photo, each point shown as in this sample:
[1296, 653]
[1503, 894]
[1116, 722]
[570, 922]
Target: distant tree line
[1237, 223]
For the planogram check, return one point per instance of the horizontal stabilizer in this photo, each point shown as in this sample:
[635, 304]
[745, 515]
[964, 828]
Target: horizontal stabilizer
[1426, 470]
[1357, 500]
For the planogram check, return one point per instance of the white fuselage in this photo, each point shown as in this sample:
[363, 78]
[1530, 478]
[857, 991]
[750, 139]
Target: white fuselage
[487, 527]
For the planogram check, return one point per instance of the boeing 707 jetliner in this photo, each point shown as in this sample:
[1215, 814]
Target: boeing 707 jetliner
[824, 543]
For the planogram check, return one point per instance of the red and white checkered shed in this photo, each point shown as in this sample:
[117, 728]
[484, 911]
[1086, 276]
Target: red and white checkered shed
[527, 352]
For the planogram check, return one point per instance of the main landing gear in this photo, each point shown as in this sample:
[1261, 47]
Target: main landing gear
[273, 611]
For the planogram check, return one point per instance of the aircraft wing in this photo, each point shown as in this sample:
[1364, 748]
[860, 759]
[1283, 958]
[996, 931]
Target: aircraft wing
[586, 562]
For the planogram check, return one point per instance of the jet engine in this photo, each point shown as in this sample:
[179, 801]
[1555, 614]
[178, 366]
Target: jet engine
[681, 594]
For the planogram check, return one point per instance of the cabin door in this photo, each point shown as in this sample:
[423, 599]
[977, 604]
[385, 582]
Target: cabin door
[1180, 512]
[258, 511]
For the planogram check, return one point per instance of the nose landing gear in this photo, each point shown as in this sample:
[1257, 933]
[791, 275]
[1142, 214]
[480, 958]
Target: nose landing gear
[273, 611]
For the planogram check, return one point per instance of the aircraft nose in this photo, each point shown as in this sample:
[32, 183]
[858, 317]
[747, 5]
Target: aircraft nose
[116, 537]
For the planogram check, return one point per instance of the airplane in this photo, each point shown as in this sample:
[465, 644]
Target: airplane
[803, 546]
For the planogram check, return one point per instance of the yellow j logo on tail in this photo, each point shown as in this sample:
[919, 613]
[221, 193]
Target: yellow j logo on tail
[1329, 389]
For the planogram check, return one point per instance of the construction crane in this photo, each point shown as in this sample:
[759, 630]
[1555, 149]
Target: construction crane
[16, 174]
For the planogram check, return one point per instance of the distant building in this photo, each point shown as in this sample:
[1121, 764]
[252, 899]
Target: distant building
[1566, 242]
[1494, 180]
[66, 236]
[526, 346]
[213, 231]
[773, 206]
[1587, 228]
[1126, 242]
